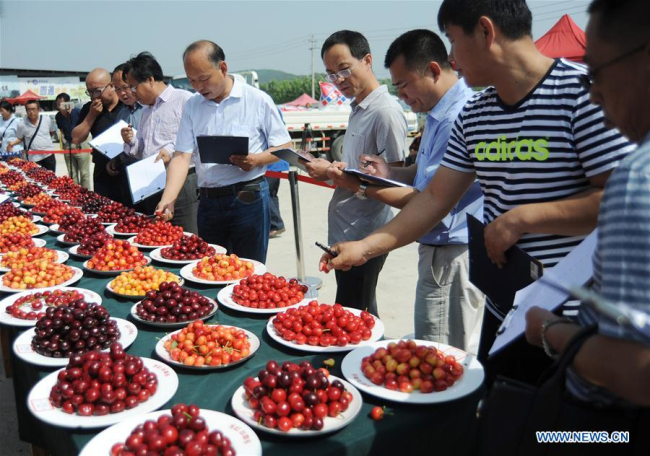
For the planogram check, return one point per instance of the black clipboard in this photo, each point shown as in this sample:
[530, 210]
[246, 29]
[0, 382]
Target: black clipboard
[218, 149]
[500, 285]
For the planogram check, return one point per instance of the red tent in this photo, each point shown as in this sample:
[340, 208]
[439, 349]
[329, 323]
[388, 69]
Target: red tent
[564, 39]
[302, 100]
[24, 98]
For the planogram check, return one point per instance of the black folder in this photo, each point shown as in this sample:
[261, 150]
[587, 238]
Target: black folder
[218, 149]
[500, 285]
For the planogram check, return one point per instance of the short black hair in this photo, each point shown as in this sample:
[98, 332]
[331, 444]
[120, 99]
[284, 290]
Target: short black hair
[6, 105]
[355, 41]
[122, 68]
[513, 17]
[144, 66]
[32, 102]
[419, 48]
[215, 54]
[626, 21]
[63, 96]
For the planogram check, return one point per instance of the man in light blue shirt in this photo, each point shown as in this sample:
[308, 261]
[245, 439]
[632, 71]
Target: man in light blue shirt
[448, 308]
[234, 206]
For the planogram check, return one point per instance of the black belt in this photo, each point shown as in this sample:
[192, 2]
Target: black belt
[191, 171]
[230, 190]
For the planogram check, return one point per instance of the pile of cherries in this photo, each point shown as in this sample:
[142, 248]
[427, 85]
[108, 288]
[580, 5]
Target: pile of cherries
[94, 205]
[15, 241]
[70, 218]
[184, 432]
[9, 210]
[324, 325]
[28, 190]
[75, 328]
[173, 303]
[268, 292]
[85, 229]
[114, 212]
[295, 396]
[44, 208]
[61, 182]
[132, 224]
[188, 248]
[97, 383]
[159, 233]
[36, 301]
[89, 245]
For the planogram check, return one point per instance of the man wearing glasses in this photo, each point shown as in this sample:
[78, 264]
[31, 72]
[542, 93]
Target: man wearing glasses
[533, 140]
[96, 116]
[377, 126]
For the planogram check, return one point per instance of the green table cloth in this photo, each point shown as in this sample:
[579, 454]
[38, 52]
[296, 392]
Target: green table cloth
[442, 429]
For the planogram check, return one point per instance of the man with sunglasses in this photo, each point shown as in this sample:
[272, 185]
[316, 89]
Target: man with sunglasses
[377, 126]
[533, 140]
[95, 117]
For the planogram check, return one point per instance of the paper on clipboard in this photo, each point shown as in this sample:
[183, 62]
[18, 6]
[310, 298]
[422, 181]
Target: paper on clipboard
[3, 198]
[110, 142]
[376, 180]
[293, 157]
[574, 270]
[146, 178]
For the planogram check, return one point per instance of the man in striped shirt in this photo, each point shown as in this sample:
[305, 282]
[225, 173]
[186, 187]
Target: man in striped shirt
[533, 140]
[612, 368]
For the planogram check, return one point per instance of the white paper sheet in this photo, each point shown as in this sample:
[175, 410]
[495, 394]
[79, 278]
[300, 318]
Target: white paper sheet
[575, 270]
[146, 177]
[3, 198]
[110, 143]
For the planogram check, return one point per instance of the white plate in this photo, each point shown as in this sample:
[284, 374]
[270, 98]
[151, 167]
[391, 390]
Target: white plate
[39, 404]
[60, 237]
[111, 273]
[42, 229]
[163, 354]
[111, 230]
[377, 334]
[180, 324]
[139, 297]
[36, 218]
[73, 251]
[7, 319]
[186, 272]
[245, 413]
[150, 247]
[472, 375]
[62, 257]
[157, 255]
[242, 438]
[225, 297]
[39, 242]
[55, 229]
[23, 345]
[78, 274]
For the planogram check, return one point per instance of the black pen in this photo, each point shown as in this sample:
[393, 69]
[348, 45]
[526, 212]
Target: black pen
[326, 249]
[366, 164]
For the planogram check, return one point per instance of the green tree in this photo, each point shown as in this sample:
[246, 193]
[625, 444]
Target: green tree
[290, 89]
[391, 88]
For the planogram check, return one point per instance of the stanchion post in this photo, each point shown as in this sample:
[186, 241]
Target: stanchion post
[297, 228]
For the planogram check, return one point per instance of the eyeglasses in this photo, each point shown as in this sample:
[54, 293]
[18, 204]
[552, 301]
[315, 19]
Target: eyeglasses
[587, 80]
[343, 74]
[94, 93]
[125, 88]
[134, 89]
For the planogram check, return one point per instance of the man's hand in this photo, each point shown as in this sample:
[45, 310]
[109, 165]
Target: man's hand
[317, 169]
[127, 134]
[165, 209]
[96, 108]
[10, 147]
[348, 254]
[535, 317]
[500, 235]
[245, 162]
[377, 166]
[112, 167]
[341, 179]
[164, 156]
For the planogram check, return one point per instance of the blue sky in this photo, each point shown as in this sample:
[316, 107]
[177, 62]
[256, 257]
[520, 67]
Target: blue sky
[81, 35]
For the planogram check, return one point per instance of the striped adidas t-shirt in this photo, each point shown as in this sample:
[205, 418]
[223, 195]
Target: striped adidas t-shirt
[542, 149]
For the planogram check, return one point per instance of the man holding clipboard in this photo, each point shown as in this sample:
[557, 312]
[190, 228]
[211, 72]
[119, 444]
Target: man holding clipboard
[234, 198]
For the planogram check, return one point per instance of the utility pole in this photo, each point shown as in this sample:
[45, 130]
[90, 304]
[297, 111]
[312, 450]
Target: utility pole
[313, 78]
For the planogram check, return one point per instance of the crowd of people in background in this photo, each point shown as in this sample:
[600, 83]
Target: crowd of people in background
[549, 151]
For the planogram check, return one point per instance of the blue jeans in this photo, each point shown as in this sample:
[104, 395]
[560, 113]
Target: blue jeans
[242, 228]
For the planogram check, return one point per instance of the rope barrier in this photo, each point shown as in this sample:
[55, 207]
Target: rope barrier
[309, 180]
[74, 151]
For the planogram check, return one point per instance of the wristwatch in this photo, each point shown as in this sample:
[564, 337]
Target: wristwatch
[361, 193]
[548, 349]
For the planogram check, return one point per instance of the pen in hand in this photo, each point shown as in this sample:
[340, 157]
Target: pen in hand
[326, 249]
[368, 163]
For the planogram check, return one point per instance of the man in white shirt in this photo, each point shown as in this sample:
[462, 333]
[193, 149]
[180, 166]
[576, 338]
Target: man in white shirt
[36, 131]
[234, 198]
[161, 117]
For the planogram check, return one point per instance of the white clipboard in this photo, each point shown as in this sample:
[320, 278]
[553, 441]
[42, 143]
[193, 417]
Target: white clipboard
[146, 177]
[110, 142]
